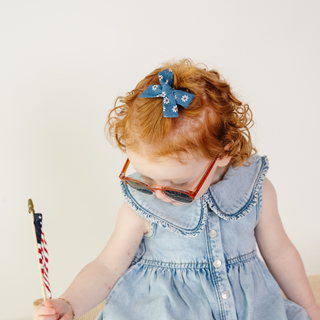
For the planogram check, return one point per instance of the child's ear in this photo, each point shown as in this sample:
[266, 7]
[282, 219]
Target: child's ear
[224, 161]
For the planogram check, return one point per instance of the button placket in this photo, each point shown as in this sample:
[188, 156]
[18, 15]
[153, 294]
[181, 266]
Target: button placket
[218, 269]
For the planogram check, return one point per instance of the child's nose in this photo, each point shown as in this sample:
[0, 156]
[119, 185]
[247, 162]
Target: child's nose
[160, 194]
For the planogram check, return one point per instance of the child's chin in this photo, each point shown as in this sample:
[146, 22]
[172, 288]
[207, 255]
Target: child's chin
[175, 203]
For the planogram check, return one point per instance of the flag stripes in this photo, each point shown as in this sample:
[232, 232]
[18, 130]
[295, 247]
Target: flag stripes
[42, 251]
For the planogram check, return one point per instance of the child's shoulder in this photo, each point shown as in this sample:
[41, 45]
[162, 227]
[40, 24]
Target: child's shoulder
[128, 219]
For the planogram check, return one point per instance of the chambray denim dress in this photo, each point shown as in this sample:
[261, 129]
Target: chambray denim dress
[200, 261]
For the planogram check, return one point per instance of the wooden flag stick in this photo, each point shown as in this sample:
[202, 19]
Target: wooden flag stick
[31, 211]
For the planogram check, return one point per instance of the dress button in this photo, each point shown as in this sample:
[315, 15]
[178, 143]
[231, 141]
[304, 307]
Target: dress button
[225, 294]
[212, 233]
[217, 263]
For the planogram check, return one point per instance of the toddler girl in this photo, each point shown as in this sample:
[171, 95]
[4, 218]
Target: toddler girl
[184, 244]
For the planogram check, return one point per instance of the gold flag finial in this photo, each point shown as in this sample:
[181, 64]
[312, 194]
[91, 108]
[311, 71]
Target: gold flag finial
[30, 205]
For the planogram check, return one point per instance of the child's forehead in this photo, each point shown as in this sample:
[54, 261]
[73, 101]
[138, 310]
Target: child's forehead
[167, 168]
[184, 159]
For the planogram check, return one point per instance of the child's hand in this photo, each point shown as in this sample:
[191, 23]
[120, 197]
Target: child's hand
[53, 310]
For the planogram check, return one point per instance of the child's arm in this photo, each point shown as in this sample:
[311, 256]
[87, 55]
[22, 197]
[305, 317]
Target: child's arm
[281, 256]
[95, 280]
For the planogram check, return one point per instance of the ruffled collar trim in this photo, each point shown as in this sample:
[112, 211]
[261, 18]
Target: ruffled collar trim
[231, 199]
[237, 193]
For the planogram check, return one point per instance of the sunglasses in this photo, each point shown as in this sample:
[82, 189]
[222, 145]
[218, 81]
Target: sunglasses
[183, 196]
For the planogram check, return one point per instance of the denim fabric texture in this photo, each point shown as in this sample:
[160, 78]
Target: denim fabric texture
[199, 261]
[170, 96]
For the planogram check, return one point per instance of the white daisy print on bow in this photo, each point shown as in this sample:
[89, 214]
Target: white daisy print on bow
[171, 97]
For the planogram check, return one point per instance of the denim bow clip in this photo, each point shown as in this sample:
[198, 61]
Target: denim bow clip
[170, 96]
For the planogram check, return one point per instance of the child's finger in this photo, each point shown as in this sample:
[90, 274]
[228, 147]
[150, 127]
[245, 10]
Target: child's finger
[42, 317]
[48, 304]
[40, 310]
[65, 317]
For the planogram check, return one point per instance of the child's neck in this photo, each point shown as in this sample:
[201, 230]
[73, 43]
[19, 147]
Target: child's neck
[219, 174]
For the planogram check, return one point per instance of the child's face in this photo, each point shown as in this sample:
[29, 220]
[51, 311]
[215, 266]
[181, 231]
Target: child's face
[171, 173]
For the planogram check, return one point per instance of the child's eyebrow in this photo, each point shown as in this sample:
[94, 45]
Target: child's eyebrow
[171, 182]
[145, 177]
[179, 184]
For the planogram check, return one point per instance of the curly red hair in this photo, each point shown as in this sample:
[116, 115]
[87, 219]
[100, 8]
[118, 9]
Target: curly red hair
[216, 123]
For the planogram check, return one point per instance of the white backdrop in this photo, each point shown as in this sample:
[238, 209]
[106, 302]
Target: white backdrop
[62, 64]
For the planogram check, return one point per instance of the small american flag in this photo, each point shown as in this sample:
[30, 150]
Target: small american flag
[43, 251]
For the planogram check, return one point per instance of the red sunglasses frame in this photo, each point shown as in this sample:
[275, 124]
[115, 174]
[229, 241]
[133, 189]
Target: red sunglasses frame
[153, 188]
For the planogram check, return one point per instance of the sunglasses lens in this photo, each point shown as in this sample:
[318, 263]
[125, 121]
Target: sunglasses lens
[178, 196]
[174, 195]
[139, 187]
